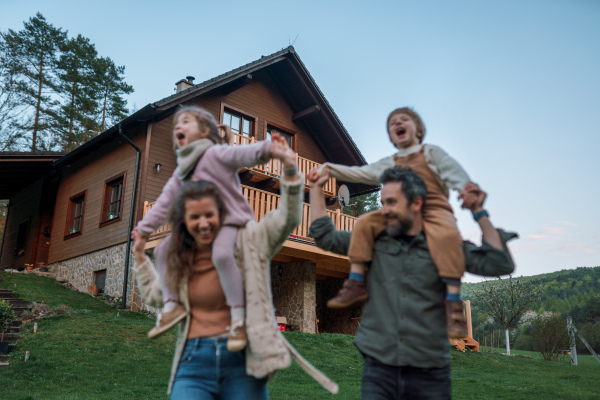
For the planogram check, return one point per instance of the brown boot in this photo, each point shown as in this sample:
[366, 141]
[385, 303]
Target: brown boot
[352, 292]
[456, 323]
[168, 320]
[237, 339]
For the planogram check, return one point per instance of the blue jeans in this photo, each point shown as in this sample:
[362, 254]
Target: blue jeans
[384, 382]
[207, 370]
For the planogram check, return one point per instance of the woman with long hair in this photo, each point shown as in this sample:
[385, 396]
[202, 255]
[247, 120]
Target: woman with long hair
[203, 368]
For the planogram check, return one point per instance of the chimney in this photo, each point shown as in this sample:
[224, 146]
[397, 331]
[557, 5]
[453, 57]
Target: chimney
[183, 84]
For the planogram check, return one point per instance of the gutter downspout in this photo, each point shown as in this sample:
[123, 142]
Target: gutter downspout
[131, 217]
[5, 226]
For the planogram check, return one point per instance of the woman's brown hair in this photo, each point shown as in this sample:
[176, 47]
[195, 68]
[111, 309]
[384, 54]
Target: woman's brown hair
[206, 121]
[181, 250]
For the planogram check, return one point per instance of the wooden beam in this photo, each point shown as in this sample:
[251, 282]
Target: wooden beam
[237, 84]
[266, 184]
[305, 113]
[331, 201]
[246, 176]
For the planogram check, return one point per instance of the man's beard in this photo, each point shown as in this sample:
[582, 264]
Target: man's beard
[403, 224]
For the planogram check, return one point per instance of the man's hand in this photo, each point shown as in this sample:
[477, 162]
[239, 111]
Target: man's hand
[473, 197]
[318, 176]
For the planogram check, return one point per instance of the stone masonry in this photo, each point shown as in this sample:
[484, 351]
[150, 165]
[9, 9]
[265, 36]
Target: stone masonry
[294, 294]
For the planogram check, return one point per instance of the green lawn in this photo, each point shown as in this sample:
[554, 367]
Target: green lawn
[95, 354]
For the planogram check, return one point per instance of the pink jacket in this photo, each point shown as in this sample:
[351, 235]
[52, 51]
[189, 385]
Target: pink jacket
[219, 165]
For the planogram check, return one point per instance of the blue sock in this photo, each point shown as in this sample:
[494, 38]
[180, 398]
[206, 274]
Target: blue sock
[355, 276]
[453, 296]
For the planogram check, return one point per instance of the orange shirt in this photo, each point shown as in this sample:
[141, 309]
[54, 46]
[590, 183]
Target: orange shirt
[209, 310]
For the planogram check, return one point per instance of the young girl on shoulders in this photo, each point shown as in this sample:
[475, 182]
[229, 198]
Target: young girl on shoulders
[203, 154]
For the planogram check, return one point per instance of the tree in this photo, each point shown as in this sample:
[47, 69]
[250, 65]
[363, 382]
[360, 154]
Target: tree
[506, 300]
[550, 335]
[363, 204]
[79, 87]
[10, 107]
[38, 45]
[111, 89]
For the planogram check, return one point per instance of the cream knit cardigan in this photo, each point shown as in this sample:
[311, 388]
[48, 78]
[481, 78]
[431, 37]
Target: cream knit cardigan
[257, 243]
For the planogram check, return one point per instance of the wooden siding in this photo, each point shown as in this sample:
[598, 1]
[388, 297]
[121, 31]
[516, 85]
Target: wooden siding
[90, 174]
[24, 205]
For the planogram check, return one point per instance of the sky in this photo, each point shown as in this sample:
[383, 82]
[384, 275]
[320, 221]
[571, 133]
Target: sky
[510, 88]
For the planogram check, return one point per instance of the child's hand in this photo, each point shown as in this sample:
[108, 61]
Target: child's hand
[318, 176]
[473, 197]
[282, 151]
[135, 234]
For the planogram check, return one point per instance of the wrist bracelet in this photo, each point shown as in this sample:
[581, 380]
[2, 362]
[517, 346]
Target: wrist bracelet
[480, 214]
[291, 171]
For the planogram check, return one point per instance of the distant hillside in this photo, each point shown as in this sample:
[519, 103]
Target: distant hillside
[562, 289]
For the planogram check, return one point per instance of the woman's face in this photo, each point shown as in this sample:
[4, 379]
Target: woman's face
[202, 220]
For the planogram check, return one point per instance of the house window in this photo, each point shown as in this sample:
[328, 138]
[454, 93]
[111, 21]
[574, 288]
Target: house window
[100, 278]
[288, 136]
[238, 123]
[112, 203]
[21, 238]
[75, 215]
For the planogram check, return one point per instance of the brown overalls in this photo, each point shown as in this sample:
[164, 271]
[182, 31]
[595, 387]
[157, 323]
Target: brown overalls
[443, 238]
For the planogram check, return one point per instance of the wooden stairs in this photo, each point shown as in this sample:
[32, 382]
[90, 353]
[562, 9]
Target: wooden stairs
[12, 334]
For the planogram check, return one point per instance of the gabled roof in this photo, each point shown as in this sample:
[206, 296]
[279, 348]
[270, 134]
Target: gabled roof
[310, 106]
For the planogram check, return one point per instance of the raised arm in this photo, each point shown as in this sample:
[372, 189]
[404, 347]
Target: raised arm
[368, 174]
[322, 228]
[244, 156]
[145, 275]
[281, 222]
[493, 257]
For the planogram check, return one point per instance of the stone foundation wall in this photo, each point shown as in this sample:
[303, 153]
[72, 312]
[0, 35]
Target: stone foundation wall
[79, 272]
[335, 320]
[294, 294]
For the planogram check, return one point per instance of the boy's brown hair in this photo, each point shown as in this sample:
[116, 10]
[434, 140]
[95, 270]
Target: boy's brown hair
[414, 116]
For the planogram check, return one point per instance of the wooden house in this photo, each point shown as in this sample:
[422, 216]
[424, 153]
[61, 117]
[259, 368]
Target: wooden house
[74, 213]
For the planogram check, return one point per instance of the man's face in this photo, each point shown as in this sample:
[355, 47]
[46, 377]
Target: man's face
[398, 214]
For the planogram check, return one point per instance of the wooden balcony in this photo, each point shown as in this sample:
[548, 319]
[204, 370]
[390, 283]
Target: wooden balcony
[262, 202]
[274, 168]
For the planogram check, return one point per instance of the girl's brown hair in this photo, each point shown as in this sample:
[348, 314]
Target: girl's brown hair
[181, 250]
[206, 121]
[414, 116]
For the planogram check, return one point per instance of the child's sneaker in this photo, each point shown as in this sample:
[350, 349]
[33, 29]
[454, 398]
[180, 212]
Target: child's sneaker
[237, 336]
[352, 292]
[456, 323]
[167, 320]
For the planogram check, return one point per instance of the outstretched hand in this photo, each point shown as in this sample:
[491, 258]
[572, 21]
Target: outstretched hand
[318, 176]
[282, 151]
[473, 197]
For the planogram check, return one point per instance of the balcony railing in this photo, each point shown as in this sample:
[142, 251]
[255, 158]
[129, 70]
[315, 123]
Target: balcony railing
[274, 167]
[262, 202]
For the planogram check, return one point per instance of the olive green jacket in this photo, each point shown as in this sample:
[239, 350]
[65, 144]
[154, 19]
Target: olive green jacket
[404, 319]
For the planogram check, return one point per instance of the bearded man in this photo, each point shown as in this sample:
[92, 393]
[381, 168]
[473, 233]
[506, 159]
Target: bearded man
[402, 335]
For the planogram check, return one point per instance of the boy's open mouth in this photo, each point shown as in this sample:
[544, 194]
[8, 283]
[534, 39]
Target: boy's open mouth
[400, 131]
[179, 136]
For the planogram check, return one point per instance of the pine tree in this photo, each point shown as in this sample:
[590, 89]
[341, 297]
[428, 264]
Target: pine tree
[363, 204]
[10, 108]
[38, 45]
[111, 88]
[79, 88]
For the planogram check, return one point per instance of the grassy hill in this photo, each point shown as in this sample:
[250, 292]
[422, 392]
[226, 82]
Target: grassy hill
[95, 351]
